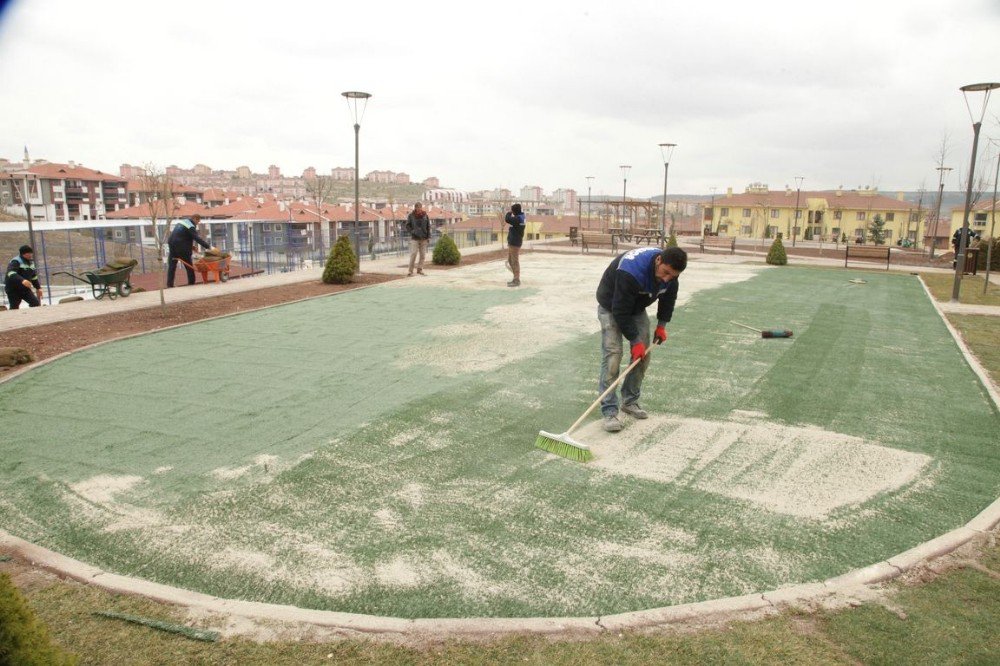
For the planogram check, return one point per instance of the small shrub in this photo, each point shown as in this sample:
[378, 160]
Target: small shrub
[984, 247]
[342, 263]
[446, 252]
[672, 241]
[776, 255]
[23, 638]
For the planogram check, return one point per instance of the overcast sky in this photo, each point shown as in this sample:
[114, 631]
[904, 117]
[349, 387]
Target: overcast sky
[507, 93]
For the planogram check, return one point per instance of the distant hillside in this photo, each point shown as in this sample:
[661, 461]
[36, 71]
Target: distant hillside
[398, 193]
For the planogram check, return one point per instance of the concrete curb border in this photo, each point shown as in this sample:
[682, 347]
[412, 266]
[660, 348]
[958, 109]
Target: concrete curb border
[353, 624]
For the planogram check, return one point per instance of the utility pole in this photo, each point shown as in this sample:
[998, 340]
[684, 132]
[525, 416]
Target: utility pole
[590, 180]
[795, 222]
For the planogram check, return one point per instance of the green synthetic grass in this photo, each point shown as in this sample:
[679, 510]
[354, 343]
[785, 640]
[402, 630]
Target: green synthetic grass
[950, 620]
[971, 292]
[160, 625]
[982, 334]
[382, 469]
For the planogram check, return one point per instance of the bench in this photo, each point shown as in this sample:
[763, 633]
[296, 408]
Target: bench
[588, 238]
[718, 242]
[866, 252]
[647, 236]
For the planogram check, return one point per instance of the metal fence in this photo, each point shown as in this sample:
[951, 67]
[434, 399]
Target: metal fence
[260, 247]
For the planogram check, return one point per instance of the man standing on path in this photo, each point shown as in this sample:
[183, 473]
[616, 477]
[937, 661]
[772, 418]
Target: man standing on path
[419, 227]
[20, 278]
[631, 282]
[181, 244]
[515, 237]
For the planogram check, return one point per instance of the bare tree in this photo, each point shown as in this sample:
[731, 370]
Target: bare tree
[162, 207]
[320, 189]
[939, 159]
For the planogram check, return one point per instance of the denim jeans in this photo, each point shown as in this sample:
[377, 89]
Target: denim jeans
[611, 360]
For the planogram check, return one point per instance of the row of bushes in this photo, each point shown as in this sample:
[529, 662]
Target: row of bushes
[342, 263]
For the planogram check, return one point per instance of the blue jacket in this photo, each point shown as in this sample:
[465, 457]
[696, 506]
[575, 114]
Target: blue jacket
[629, 285]
[183, 236]
[516, 234]
[18, 270]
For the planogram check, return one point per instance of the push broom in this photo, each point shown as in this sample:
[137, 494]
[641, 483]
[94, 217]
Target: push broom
[773, 333]
[567, 447]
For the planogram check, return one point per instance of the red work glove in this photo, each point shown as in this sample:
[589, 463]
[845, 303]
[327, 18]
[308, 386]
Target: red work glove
[638, 351]
[660, 335]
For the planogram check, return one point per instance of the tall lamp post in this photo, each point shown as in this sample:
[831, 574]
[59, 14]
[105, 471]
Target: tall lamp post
[711, 221]
[993, 220]
[353, 99]
[625, 168]
[937, 215]
[963, 238]
[795, 221]
[590, 179]
[666, 151]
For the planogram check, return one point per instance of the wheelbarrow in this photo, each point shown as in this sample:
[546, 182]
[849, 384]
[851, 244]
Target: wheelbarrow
[210, 264]
[105, 283]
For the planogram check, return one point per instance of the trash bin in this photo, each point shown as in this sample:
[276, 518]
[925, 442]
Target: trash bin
[971, 260]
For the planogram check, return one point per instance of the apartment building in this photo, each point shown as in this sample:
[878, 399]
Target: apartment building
[62, 192]
[759, 212]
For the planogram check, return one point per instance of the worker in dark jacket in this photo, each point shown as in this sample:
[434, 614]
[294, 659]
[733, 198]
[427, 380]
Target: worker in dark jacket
[956, 241]
[20, 278]
[181, 243]
[630, 284]
[515, 237]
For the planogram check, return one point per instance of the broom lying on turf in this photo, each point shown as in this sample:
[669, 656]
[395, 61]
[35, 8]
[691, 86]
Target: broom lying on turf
[773, 333]
[567, 447]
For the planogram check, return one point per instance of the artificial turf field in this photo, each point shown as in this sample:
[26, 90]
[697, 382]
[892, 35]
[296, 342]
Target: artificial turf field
[372, 452]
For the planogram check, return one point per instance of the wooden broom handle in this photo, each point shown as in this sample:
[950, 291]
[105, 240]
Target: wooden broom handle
[611, 388]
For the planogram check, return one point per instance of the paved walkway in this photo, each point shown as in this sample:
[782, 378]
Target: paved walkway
[393, 265]
[14, 319]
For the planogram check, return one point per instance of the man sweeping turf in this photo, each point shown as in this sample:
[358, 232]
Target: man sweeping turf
[630, 284]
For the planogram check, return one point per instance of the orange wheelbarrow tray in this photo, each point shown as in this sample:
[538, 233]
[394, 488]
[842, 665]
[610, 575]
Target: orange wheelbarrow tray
[219, 266]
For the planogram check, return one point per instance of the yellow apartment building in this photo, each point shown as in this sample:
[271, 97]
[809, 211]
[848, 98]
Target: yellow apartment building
[981, 218]
[828, 214]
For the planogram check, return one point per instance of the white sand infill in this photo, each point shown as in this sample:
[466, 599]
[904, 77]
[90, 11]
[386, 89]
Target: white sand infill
[103, 488]
[563, 307]
[799, 471]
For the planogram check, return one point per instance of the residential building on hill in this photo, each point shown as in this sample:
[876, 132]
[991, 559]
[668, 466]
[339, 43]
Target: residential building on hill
[62, 192]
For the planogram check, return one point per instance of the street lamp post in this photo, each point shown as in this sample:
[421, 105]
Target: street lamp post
[963, 238]
[993, 220]
[711, 221]
[795, 221]
[590, 180]
[625, 168]
[937, 215]
[353, 99]
[666, 151]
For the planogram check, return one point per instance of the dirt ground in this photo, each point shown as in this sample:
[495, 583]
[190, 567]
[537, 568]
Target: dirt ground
[52, 339]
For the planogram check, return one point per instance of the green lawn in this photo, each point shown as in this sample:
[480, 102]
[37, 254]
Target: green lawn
[971, 292]
[950, 620]
[319, 454]
[982, 334]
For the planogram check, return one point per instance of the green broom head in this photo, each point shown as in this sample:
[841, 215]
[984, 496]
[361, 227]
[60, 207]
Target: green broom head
[564, 445]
